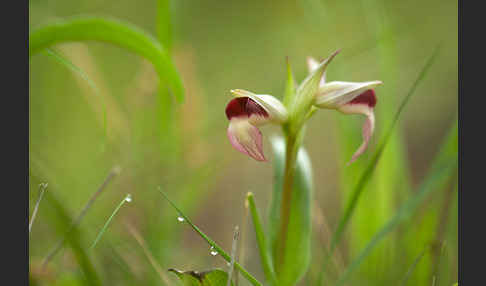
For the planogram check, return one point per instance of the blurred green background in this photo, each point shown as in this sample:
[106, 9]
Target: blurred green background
[223, 45]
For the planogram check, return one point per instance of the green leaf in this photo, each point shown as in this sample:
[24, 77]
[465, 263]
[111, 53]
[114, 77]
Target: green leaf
[262, 241]
[111, 31]
[215, 277]
[298, 253]
[442, 169]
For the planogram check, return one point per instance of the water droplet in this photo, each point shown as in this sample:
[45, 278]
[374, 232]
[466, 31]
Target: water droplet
[213, 251]
[128, 198]
[181, 219]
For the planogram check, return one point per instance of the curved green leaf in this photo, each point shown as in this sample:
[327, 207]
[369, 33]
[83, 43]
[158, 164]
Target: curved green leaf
[297, 249]
[111, 31]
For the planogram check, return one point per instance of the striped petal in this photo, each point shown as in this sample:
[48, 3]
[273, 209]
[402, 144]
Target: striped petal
[338, 93]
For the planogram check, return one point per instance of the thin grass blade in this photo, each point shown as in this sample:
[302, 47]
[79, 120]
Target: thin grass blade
[115, 171]
[126, 199]
[42, 188]
[213, 244]
[262, 241]
[72, 238]
[147, 253]
[441, 170]
[412, 267]
[365, 177]
[67, 63]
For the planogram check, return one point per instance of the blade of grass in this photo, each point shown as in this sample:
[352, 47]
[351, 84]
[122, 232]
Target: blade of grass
[67, 63]
[367, 173]
[412, 267]
[211, 242]
[111, 31]
[403, 213]
[261, 240]
[364, 179]
[115, 171]
[442, 169]
[42, 188]
[147, 253]
[126, 199]
[62, 219]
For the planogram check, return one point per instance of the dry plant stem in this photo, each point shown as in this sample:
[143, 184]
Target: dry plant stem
[290, 158]
[147, 253]
[115, 171]
[233, 255]
[241, 248]
[42, 188]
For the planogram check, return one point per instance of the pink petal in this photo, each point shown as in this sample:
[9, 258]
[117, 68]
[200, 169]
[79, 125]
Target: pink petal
[362, 104]
[368, 127]
[246, 138]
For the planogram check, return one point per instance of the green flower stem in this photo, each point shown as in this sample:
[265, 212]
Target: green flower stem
[292, 146]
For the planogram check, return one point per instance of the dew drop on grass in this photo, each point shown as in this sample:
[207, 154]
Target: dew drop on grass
[181, 219]
[213, 251]
[128, 198]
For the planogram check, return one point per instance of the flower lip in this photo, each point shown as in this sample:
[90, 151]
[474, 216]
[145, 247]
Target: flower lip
[368, 97]
[244, 107]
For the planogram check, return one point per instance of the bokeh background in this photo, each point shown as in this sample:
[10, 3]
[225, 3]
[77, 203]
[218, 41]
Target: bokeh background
[183, 148]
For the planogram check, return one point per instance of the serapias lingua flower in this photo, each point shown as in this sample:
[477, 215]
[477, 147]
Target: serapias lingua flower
[246, 112]
[348, 98]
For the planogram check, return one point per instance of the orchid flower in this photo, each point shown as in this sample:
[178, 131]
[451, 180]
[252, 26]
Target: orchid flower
[246, 112]
[348, 98]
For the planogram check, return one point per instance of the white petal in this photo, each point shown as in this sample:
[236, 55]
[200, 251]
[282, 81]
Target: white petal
[337, 93]
[272, 105]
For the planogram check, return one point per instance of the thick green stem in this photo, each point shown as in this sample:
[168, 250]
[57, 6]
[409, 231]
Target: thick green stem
[290, 158]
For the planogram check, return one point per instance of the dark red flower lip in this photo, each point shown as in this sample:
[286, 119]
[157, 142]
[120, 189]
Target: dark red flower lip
[244, 107]
[368, 97]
